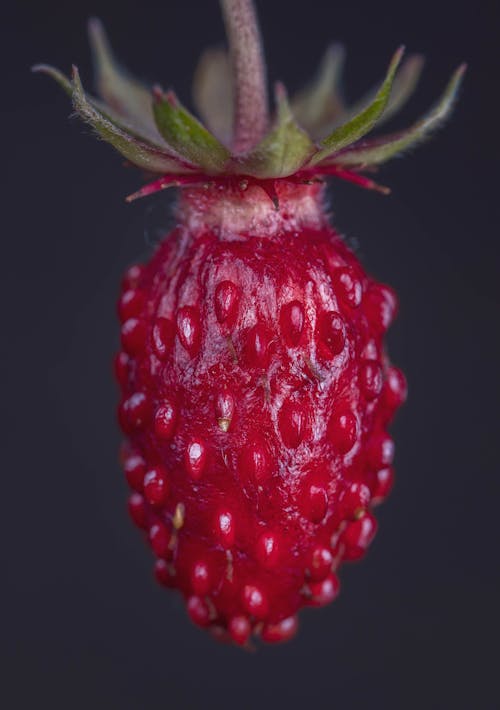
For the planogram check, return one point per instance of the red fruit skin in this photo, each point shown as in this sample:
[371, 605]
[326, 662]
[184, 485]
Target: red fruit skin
[255, 397]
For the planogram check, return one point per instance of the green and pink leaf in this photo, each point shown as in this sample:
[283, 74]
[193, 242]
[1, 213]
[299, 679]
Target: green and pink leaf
[379, 150]
[364, 121]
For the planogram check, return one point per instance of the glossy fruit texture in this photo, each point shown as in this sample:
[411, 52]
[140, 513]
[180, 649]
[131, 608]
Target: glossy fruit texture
[256, 396]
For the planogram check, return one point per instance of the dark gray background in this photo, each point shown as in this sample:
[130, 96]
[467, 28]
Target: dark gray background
[85, 626]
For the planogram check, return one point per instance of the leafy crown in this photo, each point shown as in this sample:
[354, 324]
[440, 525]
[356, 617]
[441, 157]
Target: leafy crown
[313, 134]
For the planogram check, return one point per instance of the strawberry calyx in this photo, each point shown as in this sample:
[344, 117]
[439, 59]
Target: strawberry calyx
[311, 136]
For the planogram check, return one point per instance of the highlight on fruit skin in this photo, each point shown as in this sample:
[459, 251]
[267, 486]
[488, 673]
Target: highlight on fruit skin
[311, 135]
[256, 388]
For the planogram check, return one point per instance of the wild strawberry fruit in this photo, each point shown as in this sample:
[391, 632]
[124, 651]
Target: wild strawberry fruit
[256, 390]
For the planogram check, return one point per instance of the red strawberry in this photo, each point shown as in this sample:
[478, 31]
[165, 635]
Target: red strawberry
[256, 391]
[262, 423]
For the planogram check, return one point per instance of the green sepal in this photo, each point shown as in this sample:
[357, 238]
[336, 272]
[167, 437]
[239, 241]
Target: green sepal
[57, 75]
[364, 121]
[187, 136]
[284, 149]
[102, 108]
[213, 93]
[318, 105]
[379, 150]
[125, 95]
[138, 152]
[403, 86]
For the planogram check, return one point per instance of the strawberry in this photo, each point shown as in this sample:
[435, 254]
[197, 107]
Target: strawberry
[256, 392]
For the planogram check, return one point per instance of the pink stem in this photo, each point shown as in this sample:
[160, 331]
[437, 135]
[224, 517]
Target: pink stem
[249, 72]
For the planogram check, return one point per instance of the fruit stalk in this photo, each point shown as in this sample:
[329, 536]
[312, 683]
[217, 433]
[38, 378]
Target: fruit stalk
[247, 58]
